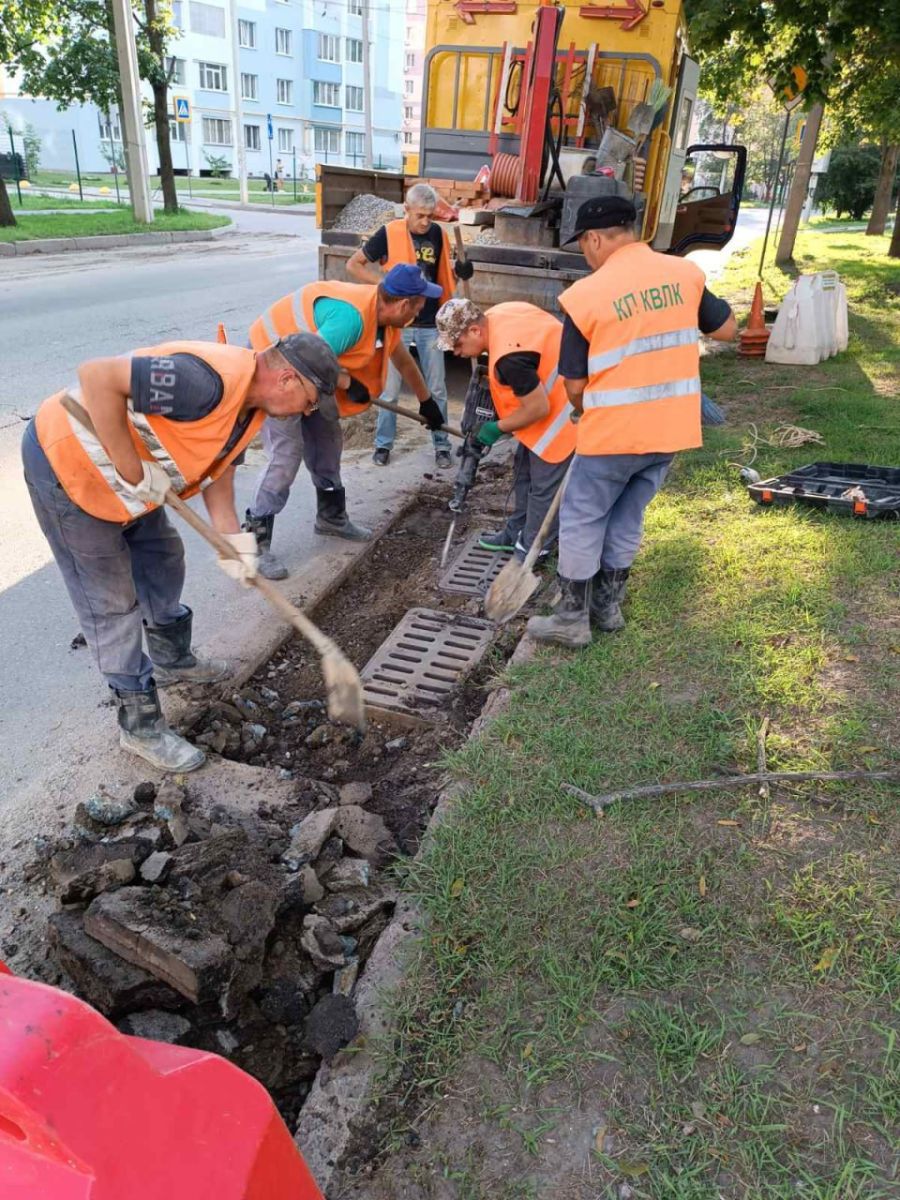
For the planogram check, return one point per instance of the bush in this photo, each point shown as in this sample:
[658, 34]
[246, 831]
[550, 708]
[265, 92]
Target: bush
[849, 185]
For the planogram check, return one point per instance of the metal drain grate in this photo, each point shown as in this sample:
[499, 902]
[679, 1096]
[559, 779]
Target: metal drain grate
[423, 659]
[474, 569]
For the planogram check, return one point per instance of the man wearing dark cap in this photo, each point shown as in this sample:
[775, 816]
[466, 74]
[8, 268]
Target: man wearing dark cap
[362, 324]
[177, 416]
[631, 363]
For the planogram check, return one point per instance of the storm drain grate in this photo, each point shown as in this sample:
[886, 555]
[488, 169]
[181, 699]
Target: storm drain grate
[424, 659]
[474, 569]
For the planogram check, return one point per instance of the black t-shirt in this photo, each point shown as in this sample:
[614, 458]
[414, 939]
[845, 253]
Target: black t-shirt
[519, 371]
[180, 387]
[574, 350]
[428, 247]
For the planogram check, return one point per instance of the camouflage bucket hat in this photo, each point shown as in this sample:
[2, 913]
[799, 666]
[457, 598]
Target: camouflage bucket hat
[453, 319]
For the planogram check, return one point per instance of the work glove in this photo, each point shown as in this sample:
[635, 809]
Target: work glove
[151, 488]
[430, 410]
[464, 269]
[246, 569]
[488, 433]
[358, 392]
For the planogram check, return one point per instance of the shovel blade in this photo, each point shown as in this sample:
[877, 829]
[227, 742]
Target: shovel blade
[344, 691]
[510, 591]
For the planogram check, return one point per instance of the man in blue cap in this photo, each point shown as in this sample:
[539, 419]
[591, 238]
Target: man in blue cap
[362, 324]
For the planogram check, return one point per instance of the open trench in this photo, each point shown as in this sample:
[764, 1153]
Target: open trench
[243, 930]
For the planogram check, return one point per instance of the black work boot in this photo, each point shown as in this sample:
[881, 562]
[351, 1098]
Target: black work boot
[169, 647]
[606, 599]
[332, 519]
[569, 625]
[143, 731]
[270, 567]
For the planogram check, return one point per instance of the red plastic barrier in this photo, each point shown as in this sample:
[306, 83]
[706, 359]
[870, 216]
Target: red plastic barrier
[87, 1113]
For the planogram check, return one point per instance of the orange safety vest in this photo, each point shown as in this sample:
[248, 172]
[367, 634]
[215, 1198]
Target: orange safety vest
[190, 451]
[515, 327]
[639, 314]
[367, 361]
[401, 250]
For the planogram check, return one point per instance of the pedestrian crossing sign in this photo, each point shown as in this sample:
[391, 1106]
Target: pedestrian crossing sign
[182, 108]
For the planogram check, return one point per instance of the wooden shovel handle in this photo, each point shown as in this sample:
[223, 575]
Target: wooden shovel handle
[463, 283]
[539, 538]
[414, 416]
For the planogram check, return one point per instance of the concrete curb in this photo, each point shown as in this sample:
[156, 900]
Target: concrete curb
[344, 1096]
[107, 241]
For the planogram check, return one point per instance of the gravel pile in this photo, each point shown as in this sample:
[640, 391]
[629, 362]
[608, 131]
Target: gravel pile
[364, 214]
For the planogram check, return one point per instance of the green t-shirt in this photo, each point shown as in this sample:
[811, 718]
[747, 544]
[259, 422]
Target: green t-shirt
[338, 323]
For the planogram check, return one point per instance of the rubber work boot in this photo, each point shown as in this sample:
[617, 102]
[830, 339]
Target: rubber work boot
[569, 625]
[606, 600]
[332, 519]
[497, 539]
[270, 566]
[169, 647]
[143, 731]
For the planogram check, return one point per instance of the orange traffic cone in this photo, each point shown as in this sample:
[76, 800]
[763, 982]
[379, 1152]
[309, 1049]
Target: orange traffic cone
[754, 337]
[221, 335]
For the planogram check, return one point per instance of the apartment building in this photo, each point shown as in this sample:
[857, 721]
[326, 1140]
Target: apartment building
[299, 72]
[413, 67]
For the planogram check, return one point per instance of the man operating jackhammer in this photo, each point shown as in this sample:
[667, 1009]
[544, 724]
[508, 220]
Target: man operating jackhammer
[177, 415]
[522, 345]
[361, 323]
[631, 363]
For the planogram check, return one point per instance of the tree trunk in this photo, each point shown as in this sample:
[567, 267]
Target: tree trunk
[7, 216]
[799, 187]
[881, 205]
[157, 41]
[894, 250]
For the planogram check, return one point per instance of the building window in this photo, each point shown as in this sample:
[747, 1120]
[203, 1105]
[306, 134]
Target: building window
[408, 86]
[354, 49]
[175, 71]
[329, 49]
[213, 77]
[409, 33]
[407, 138]
[408, 112]
[109, 127]
[251, 137]
[216, 132]
[283, 41]
[327, 141]
[177, 14]
[354, 98]
[285, 141]
[249, 87]
[284, 91]
[409, 61]
[356, 146]
[208, 19]
[354, 8]
[176, 130]
[327, 94]
[247, 34]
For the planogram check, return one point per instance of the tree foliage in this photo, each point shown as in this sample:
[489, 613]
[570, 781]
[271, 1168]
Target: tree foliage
[849, 185]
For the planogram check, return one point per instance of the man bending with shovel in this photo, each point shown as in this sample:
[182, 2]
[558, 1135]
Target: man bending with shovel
[100, 458]
[522, 344]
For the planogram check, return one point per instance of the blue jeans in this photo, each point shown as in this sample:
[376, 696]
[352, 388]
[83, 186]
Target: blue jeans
[117, 576]
[431, 364]
[602, 514]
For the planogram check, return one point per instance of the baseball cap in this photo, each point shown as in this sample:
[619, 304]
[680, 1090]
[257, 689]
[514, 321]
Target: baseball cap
[602, 212]
[313, 358]
[407, 280]
[453, 319]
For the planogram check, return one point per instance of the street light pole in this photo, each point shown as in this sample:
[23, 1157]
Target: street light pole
[135, 146]
[367, 84]
[238, 105]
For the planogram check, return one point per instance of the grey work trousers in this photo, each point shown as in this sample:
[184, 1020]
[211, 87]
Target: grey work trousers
[288, 442]
[536, 483]
[602, 515]
[117, 576]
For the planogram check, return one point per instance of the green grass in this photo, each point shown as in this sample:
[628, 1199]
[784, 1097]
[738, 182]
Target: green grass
[121, 220]
[31, 201]
[716, 972]
[203, 187]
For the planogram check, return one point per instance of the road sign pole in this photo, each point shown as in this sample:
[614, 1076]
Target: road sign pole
[77, 167]
[187, 162]
[269, 131]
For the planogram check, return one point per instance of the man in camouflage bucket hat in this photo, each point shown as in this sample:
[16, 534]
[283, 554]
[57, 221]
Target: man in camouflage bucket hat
[522, 344]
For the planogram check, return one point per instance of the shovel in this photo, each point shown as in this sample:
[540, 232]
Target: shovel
[343, 687]
[517, 583]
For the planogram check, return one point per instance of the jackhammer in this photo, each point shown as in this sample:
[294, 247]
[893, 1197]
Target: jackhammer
[478, 408]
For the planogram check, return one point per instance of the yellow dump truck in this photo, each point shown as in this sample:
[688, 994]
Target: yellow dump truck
[551, 104]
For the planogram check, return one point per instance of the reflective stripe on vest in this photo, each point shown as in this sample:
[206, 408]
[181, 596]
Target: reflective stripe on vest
[516, 327]
[642, 345]
[654, 391]
[270, 326]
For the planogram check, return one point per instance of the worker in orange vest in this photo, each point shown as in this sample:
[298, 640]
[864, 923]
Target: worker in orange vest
[177, 415]
[413, 238]
[361, 323]
[522, 345]
[631, 363]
